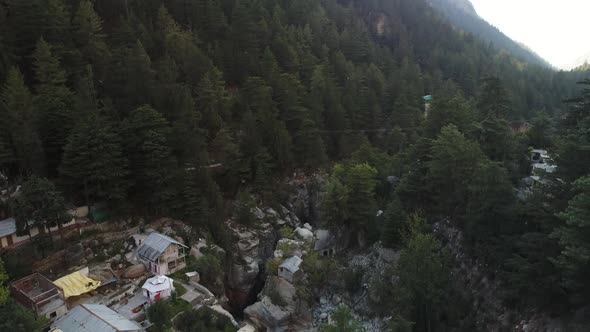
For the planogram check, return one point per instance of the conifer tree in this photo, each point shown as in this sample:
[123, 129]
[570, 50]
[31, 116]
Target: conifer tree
[93, 163]
[89, 37]
[452, 151]
[396, 226]
[18, 118]
[53, 104]
[574, 239]
[213, 101]
[151, 164]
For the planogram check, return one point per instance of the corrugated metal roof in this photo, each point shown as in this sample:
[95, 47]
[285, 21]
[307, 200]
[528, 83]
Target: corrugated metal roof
[292, 263]
[94, 318]
[7, 227]
[154, 245]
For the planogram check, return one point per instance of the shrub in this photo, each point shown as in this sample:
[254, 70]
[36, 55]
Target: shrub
[275, 296]
[245, 203]
[180, 290]
[286, 232]
[209, 268]
[272, 265]
[160, 313]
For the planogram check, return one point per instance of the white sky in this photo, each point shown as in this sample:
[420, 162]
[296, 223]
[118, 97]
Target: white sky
[556, 29]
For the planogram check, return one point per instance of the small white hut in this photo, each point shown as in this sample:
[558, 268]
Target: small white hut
[290, 269]
[158, 287]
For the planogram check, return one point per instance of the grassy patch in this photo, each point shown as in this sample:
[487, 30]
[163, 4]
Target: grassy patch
[180, 290]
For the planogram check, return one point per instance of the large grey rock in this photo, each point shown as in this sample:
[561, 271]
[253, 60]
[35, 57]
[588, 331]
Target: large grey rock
[284, 316]
[267, 316]
[304, 234]
[242, 275]
[134, 271]
[258, 213]
[251, 248]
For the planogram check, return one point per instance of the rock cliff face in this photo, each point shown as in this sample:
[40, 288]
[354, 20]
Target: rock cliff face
[306, 198]
[279, 308]
[252, 247]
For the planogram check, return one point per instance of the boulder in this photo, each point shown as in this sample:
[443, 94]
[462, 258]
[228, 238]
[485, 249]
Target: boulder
[134, 271]
[131, 257]
[304, 234]
[271, 213]
[258, 213]
[243, 275]
[307, 226]
[266, 316]
[269, 316]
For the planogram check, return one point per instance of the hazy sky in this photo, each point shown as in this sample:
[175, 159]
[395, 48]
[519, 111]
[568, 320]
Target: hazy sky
[556, 29]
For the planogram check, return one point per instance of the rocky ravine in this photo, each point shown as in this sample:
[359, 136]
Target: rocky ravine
[253, 246]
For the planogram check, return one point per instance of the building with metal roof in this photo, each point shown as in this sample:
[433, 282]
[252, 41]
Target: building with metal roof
[290, 269]
[95, 318]
[9, 238]
[162, 254]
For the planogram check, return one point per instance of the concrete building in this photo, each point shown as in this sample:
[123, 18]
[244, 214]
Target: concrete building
[40, 295]
[325, 243]
[94, 318]
[290, 269]
[158, 287]
[162, 254]
[9, 238]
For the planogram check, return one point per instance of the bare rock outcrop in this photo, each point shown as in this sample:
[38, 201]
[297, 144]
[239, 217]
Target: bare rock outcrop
[279, 308]
[252, 247]
[134, 271]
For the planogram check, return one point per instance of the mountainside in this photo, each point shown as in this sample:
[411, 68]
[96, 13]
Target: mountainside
[258, 122]
[462, 14]
[581, 62]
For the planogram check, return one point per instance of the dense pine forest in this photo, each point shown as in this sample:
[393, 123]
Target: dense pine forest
[177, 108]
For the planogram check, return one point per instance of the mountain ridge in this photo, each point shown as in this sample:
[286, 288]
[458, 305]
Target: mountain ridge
[462, 15]
[578, 62]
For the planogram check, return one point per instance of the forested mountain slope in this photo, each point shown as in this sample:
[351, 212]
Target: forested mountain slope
[174, 108]
[462, 15]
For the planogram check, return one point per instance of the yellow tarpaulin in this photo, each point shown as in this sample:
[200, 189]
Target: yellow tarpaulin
[76, 284]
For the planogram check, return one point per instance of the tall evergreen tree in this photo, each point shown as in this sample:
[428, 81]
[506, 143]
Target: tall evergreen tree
[53, 104]
[574, 238]
[452, 151]
[151, 164]
[213, 101]
[17, 117]
[396, 226]
[89, 36]
[93, 163]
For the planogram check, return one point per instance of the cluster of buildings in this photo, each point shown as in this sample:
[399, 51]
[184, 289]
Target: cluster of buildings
[78, 303]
